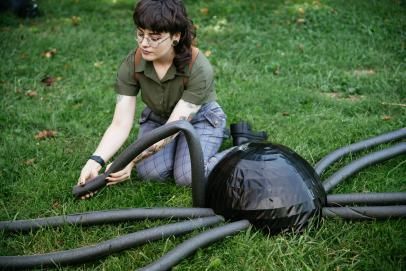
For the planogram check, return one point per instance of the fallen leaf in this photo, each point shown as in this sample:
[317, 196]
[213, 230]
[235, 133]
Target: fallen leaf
[364, 72]
[386, 118]
[395, 104]
[75, 20]
[340, 96]
[48, 80]
[301, 11]
[31, 93]
[204, 11]
[207, 53]
[56, 204]
[29, 162]
[49, 53]
[300, 21]
[355, 98]
[276, 70]
[98, 64]
[45, 134]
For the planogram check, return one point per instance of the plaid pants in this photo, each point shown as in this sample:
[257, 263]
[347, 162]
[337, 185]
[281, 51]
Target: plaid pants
[173, 161]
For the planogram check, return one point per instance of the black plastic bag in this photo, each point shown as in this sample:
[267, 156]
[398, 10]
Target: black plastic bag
[268, 184]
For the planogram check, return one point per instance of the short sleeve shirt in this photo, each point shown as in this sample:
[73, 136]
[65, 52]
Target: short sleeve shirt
[161, 95]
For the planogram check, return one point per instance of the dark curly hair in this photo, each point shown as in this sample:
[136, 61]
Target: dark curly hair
[168, 16]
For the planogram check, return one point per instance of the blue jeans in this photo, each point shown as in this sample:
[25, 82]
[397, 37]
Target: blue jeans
[173, 161]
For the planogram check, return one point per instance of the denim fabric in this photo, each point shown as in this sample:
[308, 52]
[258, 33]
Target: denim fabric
[173, 161]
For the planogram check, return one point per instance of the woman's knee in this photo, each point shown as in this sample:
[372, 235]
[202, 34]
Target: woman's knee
[151, 174]
[183, 177]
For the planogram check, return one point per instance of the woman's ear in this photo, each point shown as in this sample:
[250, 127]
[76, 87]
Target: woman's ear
[176, 36]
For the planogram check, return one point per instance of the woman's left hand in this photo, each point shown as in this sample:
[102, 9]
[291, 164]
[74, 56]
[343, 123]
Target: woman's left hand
[119, 176]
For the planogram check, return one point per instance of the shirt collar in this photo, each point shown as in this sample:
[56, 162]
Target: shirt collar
[149, 71]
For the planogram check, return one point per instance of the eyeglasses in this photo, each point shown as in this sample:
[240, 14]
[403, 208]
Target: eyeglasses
[152, 41]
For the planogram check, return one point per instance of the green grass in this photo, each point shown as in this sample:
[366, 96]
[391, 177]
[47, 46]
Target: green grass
[316, 75]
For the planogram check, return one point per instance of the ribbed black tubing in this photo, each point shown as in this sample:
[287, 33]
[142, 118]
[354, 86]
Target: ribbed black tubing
[329, 159]
[85, 254]
[395, 198]
[195, 151]
[191, 245]
[363, 162]
[366, 212]
[105, 217]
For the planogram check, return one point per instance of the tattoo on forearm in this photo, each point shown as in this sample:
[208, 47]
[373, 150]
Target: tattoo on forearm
[191, 116]
[153, 149]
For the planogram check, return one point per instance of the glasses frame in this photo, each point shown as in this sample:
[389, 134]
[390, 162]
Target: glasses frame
[153, 44]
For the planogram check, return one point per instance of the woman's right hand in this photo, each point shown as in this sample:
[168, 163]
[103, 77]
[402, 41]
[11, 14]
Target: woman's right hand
[89, 171]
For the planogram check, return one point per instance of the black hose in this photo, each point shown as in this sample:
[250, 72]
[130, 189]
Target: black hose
[363, 162]
[195, 151]
[396, 198]
[191, 245]
[366, 213]
[104, 217]
[358, 146]
[85, 254]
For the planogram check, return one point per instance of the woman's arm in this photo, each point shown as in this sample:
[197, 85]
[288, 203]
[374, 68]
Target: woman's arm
[119, 129]
[182, 111]
[114, 136]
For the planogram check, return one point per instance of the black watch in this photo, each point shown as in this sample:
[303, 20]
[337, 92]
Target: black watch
[98, 159]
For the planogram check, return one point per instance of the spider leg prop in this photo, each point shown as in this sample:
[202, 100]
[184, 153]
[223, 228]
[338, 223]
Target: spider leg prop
[105, 217]
[388, 198]
[132, 151]
[280, 194]
[189, 246]
[373, 202]
[85, 254]
[367, 160]
[332, 157]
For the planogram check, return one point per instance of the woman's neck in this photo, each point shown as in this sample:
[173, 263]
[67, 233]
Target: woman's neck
[163, 64]
[165, 60]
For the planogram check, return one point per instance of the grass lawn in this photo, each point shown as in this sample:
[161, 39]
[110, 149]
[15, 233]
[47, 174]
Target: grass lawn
[316, 75]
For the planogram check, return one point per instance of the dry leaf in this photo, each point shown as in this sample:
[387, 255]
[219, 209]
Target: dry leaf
[45, 134]
[204, 11]
[48, 80]
[395, 104]
[56, 204]
[207, 53]
[29, 162]
[31, 93]
[277, 70]
[75, 20]
[98, 64]
[301, 11]
[49, 53]
[300, 21]
[364, 72]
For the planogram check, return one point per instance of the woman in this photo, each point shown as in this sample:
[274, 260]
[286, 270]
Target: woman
[175, 85]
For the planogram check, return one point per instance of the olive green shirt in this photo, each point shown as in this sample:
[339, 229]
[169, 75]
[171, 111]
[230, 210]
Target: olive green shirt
[162, 95]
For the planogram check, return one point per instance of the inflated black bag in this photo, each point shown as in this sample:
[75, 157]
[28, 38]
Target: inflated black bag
[268, 184]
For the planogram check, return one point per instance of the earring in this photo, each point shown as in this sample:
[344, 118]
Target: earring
[174, 43]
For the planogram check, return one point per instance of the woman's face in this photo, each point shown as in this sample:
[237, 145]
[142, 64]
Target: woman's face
[155, 45]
